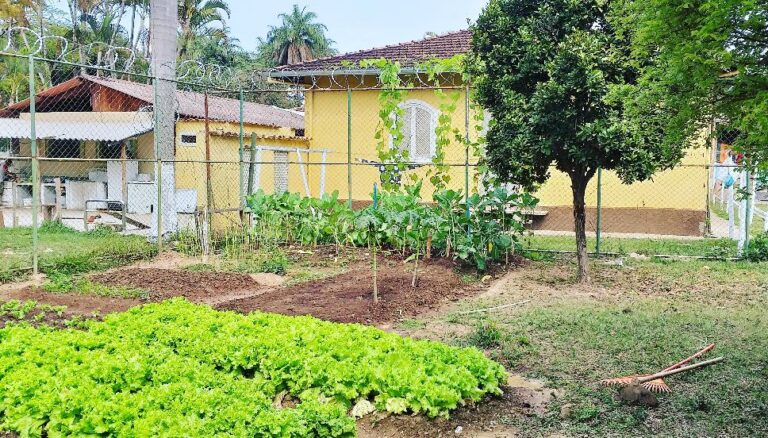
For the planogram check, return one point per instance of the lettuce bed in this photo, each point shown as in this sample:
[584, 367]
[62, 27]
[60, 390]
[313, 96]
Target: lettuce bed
[180, 369]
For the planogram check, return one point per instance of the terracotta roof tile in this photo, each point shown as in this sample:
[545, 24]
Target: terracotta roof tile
[441, 47]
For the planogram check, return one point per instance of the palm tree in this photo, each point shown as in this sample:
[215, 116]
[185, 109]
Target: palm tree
[105, 30]
[300, 38]
[195, 17]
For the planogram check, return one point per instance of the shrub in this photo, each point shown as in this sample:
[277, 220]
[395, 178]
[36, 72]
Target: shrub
[180, 369]
[758, 249]
[486, 335]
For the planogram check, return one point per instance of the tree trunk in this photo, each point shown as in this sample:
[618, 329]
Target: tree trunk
[119, 20]
[133, 24]
[579, 187]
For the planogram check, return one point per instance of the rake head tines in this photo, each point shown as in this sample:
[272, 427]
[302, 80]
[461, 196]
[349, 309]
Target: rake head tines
[657, 385]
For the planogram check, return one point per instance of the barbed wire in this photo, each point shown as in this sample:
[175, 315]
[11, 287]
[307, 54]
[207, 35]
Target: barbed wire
[19, 40]
[24, 41]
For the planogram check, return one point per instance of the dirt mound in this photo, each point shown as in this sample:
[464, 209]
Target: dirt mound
[349, 297]
[163, 284]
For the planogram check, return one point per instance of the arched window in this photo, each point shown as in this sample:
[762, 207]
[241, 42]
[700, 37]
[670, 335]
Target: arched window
[419, 123]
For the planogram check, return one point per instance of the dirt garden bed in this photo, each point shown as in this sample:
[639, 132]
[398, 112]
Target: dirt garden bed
[162, 284]
[346, 296]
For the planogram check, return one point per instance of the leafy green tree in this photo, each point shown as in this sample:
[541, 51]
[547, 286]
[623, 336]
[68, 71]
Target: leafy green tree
[196, 18]
[14, 12]
[708, 60]
[14, 80]
[555, 76]
[299, 38]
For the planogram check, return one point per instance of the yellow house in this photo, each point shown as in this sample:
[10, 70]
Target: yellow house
[86, 121]
[341, 117]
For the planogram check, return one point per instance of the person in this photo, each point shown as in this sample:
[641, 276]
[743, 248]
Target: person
[5, 175]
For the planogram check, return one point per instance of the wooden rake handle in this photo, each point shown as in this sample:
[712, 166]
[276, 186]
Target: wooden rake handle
[703, 351]
[679, 370]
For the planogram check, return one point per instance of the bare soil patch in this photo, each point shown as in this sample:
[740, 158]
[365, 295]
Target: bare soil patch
[162, 284]
[349, 297]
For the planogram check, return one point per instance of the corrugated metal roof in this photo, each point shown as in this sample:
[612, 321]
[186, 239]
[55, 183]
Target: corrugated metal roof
[107, 130]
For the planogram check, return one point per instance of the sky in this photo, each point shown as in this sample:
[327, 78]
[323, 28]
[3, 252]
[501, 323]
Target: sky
[357, 24]
[353, 24]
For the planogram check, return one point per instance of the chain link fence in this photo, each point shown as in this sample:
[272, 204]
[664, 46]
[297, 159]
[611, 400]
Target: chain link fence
[84, 154]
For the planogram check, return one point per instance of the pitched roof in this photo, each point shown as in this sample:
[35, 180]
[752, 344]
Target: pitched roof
[188, 104]
[441, 47]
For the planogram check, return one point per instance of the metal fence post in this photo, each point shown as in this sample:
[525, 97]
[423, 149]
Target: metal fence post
[252, 163]
[466, 156]
[349, 146]
[599, 209]
[35, 166]
[159, 178]
[209, 211]
[467, 139]
[242, 157]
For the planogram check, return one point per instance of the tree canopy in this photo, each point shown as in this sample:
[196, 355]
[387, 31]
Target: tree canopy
[114, 34]
[557, 79]
[196, 18]
[703, 60]
[299, 38]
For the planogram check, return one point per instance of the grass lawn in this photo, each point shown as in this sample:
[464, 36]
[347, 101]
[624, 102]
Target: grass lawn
[633, 319]
[704, 247]
[68, 251]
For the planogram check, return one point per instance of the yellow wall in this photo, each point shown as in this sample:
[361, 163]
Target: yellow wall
[684, 187]
[326, 125]
[225, 169]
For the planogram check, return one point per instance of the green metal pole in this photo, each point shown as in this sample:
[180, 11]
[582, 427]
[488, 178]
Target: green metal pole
[599, 209]
[35, 166]
[349, 147]
[466, 155]
[466, 146]
[242, 151]
[251, 164]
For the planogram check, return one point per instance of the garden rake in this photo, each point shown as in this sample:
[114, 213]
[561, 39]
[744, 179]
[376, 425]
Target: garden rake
[654, 383]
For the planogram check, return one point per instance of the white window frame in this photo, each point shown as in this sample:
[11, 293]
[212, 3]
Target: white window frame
[184, 134]
[433, 116]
